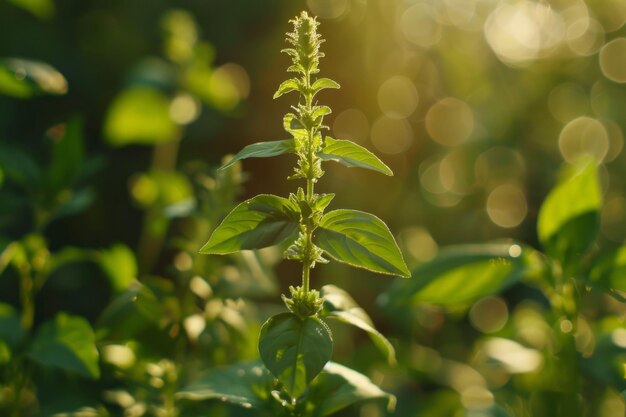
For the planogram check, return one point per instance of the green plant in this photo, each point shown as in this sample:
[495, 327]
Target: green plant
[296, 346]
[578, 358]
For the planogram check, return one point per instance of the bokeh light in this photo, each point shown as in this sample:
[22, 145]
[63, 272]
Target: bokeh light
[351, 124]
[489, 314]
[568, 101]
[613, 60]
[582, 137]
[419, 243]
[499, 165]
[184, 109]
[616, 140]
[522, 31]
[397, 97]
[450, 121]
[391, 136]
[419, 26]
[613, 223]
[329, 9]
[507, 206]
[585, 36]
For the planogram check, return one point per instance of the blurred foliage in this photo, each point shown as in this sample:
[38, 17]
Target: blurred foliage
[113, 118]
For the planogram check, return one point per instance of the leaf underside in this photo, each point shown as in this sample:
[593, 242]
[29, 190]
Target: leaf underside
[262, 150]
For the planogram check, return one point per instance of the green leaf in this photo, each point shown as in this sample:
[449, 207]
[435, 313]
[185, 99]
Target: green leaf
[602, 366]
[292, 125]
[139, 115]
[250, 385]
[361, 240]
[338, 387]
[351, 155]
[320, 111]
[609, 271]
[463, 274]
[18, 166]
[262, 221]
[67, 342]
[323, 201]
[262, 150]
[245, 384]
[288, 86]
[120, 265]
[340, 306]
[67, 156]
[295, 350]
[569, 217]
[169, 191]
[379, 340]
[131, 312]
[43, 9]
[322, 83]
[23, 78]
[10, 329]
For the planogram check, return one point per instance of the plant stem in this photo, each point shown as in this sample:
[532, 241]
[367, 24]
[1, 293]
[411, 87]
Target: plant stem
[26, 296]
[306, 271]
[151, 239]
[310, 186]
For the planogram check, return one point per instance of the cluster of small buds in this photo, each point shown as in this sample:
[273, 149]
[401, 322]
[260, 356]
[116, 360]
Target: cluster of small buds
[303, 303]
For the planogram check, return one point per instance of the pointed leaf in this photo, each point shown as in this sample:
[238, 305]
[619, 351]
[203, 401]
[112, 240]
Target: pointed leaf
[69, 343]
[323, 201]
[24, 78]
[338, 387]
[609, 271]
[292, 125]
[379, 340]
[361, 240]
[131, 312]
[319, 111]
[569, 217]
[463, 274]
[245, 384]
[339, 305]
[322, 83]
[262, 150]
[249, 384]
[287, 87]
[262, 221]
[295, 350]
[351, 155]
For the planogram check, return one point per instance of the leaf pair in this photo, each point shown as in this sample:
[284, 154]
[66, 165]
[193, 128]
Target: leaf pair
[247, 384]
[344, 152]
[293, 84]
[296, 349]
[349, 236]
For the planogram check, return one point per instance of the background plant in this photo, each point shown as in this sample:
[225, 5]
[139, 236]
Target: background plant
[474, 113]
